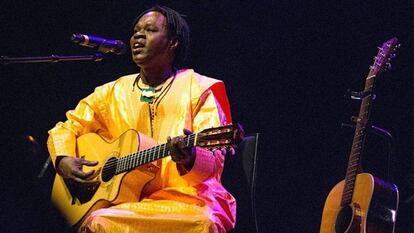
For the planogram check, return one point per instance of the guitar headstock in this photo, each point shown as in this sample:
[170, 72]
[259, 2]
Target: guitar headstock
[385, 53]
[219, 137]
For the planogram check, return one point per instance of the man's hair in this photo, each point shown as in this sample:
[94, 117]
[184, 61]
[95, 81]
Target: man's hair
[177, 29]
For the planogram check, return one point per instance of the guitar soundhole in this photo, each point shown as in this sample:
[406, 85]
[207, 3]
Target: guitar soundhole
[343, 219]
[109, 169]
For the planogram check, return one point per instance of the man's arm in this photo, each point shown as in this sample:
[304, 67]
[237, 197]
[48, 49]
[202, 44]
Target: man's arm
[204, 164]
[62, 138]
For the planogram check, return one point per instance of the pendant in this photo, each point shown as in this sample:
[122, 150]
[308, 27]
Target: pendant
[148, 95]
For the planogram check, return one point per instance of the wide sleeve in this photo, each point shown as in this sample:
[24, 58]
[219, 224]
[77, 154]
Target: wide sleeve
[212, 110]
[85, 118]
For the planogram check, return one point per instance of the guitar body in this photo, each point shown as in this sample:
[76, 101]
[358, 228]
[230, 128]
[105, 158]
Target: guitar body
[110, 190]
[125, 166]
[373, 208]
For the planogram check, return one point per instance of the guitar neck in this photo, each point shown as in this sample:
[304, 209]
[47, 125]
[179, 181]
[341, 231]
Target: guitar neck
[354, 162]
[139, 158]
[381, 63]
[212, 138]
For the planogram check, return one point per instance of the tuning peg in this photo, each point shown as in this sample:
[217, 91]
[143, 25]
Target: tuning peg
[357, 120]
[354, 119]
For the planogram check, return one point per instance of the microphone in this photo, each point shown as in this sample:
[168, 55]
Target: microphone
[104, 46]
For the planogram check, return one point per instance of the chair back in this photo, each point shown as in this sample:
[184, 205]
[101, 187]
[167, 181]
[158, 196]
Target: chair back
[239, 177]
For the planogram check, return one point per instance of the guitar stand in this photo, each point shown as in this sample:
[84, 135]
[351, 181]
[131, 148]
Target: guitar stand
[390, 139]
[359, 95]
[375, 129]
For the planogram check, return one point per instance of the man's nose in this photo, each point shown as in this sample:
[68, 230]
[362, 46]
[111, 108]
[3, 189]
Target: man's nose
[138, 34]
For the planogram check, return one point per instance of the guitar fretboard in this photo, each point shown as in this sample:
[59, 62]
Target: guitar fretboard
[211, 138]
[139, 158]
[381, 62]
[361, 121]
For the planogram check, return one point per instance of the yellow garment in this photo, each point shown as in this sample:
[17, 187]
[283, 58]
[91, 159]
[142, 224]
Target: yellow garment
[187, 100]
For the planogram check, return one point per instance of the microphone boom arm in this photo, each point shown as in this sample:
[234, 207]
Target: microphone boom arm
[97, 57]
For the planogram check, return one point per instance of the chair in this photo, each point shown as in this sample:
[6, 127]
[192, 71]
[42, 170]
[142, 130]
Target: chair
[239, 177]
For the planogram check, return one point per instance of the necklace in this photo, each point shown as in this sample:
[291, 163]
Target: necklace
[148, 94]
[153, 97]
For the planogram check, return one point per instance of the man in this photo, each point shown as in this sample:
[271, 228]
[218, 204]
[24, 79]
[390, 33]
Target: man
[186, 194]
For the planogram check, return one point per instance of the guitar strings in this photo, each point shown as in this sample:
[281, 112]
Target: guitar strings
[124, 162]
[132, 160]
[141, 156]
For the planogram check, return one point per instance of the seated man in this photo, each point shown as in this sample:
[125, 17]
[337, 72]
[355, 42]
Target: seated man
[160, 101]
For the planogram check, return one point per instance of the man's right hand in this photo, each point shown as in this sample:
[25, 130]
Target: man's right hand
[71, 168]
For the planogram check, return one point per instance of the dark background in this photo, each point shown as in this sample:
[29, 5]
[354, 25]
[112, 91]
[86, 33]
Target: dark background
[287, 66]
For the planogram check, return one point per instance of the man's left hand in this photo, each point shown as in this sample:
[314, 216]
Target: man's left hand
[180, 153]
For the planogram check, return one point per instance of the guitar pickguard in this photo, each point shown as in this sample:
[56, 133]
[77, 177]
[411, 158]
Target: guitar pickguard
[83, 192]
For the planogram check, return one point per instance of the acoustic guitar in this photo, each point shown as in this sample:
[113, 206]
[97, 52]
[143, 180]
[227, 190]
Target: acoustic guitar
[363, 203]
[125, 166]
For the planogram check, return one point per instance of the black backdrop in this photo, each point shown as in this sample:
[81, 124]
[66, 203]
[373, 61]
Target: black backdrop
[286, 64]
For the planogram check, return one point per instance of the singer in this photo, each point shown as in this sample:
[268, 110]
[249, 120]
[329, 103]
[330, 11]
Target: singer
[160, 101]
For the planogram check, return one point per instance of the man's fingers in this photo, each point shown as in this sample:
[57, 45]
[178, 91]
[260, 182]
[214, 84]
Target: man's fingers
[225, 151]
[232, 151]
[178, 148]
[217, 152]
[81, 174]
[187, 131]
[88, 162]
[180, 145]
[89, 173]
[176, 142]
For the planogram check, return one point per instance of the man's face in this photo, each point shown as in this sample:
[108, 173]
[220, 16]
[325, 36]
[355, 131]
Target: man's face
[150, 43]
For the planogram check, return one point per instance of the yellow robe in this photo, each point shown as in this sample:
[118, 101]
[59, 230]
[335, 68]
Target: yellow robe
[191, 202]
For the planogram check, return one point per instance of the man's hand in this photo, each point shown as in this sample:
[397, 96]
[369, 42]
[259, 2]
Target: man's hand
[71, 168]
[180, 153]
[225, 150]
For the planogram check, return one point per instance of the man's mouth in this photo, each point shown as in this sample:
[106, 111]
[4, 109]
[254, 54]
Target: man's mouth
[137, 47]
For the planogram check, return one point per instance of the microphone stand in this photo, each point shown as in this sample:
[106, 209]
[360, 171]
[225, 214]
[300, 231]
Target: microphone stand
[51, 59]
[44, 168]
[4, 60]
